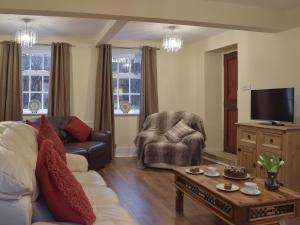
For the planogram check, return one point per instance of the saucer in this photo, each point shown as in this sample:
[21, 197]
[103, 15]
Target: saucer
[217, 174]
[258, 192]
[197, 173]
[233, 188]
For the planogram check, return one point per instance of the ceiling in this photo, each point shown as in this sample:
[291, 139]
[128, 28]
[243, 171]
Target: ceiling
[276, 4]
[68, 26]
[52, 26]
[155, 31]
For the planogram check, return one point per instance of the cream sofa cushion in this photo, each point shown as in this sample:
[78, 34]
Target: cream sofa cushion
[16, 177]
[21, 139]
[16, 212]
[89, 178]
[99, 195]
[77, 163]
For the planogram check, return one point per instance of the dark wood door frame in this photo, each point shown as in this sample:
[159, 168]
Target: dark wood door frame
[230, 101]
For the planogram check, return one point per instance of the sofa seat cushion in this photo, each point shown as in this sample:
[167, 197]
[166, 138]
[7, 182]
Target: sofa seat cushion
[100, 195]
[16, 212]
[167, 152]
[73, 148]
[89, 178]
[94, 148]
[114, 213]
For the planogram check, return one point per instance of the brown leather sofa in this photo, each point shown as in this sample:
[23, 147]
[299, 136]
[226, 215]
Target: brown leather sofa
[97, 149]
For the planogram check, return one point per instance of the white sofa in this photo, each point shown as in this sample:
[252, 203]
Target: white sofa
[20, 201]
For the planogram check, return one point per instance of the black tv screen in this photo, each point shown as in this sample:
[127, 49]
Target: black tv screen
[273, 104]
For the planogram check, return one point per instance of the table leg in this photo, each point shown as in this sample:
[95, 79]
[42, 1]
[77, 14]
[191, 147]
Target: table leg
[179, 201]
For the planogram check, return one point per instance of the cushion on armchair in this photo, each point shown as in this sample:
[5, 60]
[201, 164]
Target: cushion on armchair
[178, 131]
[78, 129]
[63, 194]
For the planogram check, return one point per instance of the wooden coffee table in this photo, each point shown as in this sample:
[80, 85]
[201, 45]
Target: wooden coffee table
[236, 208]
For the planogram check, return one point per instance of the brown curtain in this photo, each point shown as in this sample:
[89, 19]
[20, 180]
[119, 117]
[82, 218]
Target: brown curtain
[10, 82]
[104, 104]
[149, 97]
[59, 87]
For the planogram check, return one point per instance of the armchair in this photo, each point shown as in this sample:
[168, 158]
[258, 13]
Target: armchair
[155, 150]
[97, 149]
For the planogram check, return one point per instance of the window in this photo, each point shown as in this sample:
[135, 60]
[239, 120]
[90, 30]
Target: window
[126, 68]
[35, 77]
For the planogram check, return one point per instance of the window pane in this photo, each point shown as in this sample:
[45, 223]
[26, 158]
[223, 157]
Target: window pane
[25, 83]
[47, 62]
[124, 85]
[36, 96]
[115, 88]
[36, 83]
[36, 62]
[135, 67]
[46, 83]
[25, 62]
[115, 102]
[45, 98]
[123, 98]
[135, 86]
[135, 102]
[114, 67]
[25, 100]
[124, 67]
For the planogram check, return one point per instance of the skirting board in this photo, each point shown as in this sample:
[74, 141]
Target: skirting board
[124, 151]
[213, 149]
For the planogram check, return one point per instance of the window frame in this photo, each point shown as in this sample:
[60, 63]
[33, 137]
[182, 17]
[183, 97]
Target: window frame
[37, 50]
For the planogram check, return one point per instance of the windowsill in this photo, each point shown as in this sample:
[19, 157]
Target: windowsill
[27, 112]
[132, 112]
[126, 114]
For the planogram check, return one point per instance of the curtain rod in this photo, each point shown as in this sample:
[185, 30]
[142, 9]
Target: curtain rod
[128, 47]
[2, 42]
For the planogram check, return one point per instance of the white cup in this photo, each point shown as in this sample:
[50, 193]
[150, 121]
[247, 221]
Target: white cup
[211, 170]
[251, 187]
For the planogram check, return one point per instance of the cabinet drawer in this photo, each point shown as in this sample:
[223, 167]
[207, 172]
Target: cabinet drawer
[248, 137]
[271, 140]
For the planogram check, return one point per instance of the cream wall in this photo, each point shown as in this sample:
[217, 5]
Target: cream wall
[264, 61]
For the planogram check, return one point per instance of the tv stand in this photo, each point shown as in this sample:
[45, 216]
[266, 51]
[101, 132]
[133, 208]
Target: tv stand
[273, 123]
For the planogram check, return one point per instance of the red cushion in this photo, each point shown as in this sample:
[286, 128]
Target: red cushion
[46, 131]
[78, 129]
[63, 194]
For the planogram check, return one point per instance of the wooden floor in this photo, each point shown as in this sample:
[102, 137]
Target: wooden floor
[150, 196]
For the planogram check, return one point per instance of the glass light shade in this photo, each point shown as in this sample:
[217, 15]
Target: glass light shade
[26, 38]
[172, 43]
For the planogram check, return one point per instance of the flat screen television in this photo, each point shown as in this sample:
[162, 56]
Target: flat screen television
[273, 105]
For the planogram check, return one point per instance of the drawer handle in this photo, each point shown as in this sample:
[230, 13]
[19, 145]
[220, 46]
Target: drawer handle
[249, 136]
[239, 149]
[254, 165]
[271, 141]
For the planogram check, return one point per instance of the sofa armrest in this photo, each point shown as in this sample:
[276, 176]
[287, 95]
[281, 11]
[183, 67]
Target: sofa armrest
[103, 136]
[77, 163]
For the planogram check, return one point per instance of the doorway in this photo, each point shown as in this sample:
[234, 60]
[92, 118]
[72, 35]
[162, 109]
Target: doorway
[230, 101]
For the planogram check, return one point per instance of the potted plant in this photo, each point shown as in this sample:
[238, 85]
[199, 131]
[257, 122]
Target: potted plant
[272, 166]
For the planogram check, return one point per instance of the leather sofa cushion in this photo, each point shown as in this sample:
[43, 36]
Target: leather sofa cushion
[93, 148]
[89, 178]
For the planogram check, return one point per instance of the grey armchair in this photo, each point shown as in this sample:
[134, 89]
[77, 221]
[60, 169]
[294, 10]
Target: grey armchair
[155, 150]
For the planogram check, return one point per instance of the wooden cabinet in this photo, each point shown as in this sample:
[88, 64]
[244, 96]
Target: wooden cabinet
[254, 139]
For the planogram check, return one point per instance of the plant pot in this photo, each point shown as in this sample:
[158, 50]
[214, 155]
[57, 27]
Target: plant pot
[271, 182]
